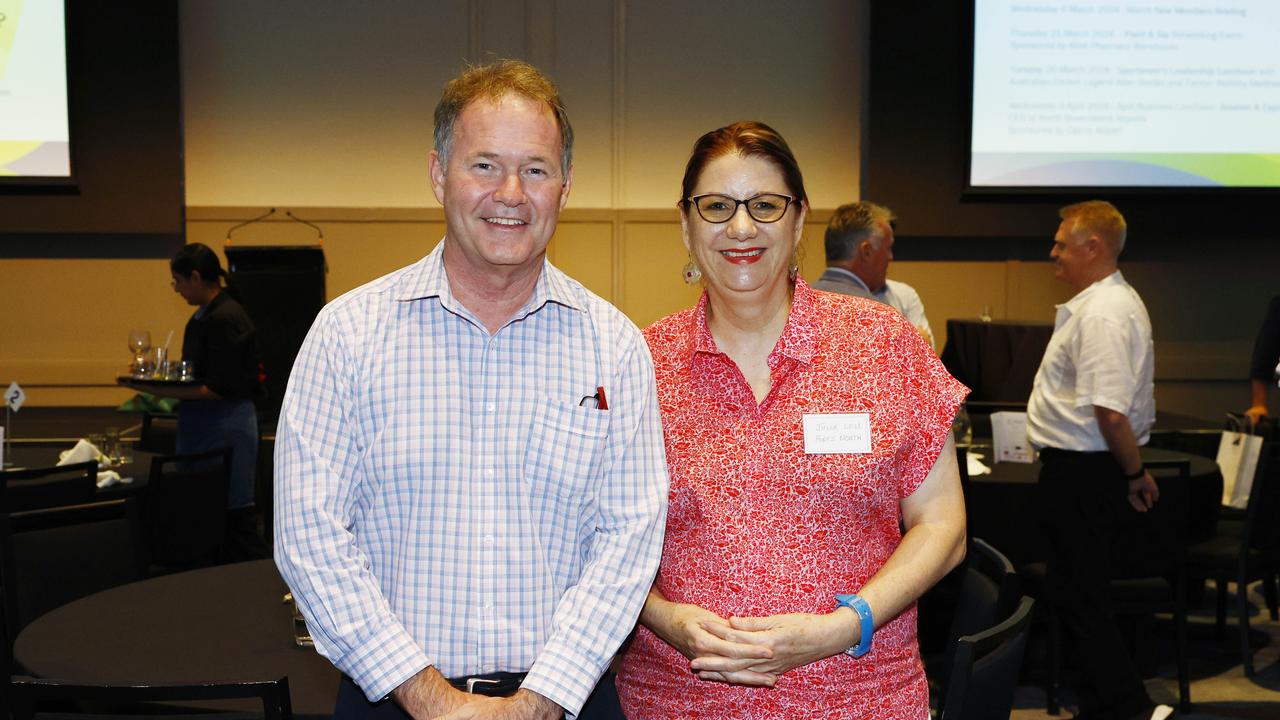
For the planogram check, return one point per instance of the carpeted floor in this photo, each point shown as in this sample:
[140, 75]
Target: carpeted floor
[1219, 688]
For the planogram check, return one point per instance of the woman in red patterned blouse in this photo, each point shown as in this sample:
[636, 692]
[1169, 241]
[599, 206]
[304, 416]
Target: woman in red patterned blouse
[800, 426]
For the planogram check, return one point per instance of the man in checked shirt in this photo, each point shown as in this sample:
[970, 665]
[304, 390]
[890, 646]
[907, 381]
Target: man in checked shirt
[470, 479]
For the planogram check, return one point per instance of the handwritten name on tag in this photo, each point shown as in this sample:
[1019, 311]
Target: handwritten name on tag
[828, 434]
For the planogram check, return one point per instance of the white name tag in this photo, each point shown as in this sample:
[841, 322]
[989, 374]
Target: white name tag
[837, 433]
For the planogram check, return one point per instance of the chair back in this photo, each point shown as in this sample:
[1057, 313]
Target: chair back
[159, 433]
[984, 669]
[185, 511]
[989, 590]
[1261, 526]
[52, 556]
[44, 487]
[27, 694]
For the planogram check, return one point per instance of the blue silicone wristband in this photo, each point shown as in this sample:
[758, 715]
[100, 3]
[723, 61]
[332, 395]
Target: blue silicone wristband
[860, 606]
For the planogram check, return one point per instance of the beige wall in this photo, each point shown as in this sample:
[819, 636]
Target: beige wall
[66, 320]
[324, 108]
[299, 103]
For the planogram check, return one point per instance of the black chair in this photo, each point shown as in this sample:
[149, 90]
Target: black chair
[984, 669]
[159, 433]
[72, 700]
[1245, 551]
[185, 511]
[45, 487]
[1139, 594]
[985, 591]
[989, 591]
[52, 556]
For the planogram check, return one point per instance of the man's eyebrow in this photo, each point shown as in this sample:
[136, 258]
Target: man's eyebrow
[489, 155]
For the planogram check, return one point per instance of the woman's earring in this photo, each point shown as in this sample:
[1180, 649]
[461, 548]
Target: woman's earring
[691, 273]
[793, 272]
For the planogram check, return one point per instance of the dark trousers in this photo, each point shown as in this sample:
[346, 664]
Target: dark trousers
[602, 704]
[1094, 535]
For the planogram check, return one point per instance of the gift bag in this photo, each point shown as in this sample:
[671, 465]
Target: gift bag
[1238, 454]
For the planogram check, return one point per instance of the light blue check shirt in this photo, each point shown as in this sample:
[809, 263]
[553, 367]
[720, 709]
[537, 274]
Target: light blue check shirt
[443, 499]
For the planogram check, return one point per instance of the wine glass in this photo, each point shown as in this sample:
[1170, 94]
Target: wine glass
[139, 344]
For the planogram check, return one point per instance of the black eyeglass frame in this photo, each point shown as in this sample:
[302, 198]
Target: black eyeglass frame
[695, 198]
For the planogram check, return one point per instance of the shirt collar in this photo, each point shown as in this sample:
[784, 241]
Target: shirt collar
[880, 294]
[427, 278]
[1075, 302]
[846, 274]
[797, 339]
[217, 300]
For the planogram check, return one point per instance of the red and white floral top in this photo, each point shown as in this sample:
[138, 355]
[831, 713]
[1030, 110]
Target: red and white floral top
[757, 527]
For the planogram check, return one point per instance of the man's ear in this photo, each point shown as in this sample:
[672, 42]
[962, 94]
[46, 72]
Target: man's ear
[437, 176]
[1094, 246]
[564, 189]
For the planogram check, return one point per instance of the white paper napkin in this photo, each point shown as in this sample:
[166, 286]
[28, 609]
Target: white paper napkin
[107, 478]
[84, 451]
[976, 466]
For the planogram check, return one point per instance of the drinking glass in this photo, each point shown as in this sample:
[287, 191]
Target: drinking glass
[99, 440]
[139, 344]
[111, 445]
[161, 358]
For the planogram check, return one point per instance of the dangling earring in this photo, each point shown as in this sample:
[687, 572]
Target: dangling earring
[793, 272]
[691, 273]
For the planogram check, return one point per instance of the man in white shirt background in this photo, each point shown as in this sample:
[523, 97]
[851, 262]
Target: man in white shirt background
[859, 248]
[1091, 408]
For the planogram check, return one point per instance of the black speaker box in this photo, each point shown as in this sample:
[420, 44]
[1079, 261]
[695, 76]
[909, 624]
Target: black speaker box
[282, 289]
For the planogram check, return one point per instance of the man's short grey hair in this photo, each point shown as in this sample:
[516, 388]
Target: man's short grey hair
[495, 81]
[851, 224]
[1097, 217]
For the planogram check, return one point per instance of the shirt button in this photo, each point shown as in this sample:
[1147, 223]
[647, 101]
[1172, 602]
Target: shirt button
[488, 539]
[491, 407]
[487, 605]
[488, 472]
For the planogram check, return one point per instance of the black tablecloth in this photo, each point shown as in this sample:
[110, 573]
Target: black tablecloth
[224, 624]
[1003, 510]
[997, 360]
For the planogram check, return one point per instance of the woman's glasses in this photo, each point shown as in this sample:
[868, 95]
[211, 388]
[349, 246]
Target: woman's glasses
[765, 207]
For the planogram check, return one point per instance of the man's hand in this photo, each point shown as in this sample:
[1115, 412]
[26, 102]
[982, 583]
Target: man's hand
[429, 695]
[793, 639]
[524, 705]
[1143, 492]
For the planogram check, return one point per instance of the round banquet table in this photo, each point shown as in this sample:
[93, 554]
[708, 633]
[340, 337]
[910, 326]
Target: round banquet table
[223, 624]
[1003, 509]
[32, 455]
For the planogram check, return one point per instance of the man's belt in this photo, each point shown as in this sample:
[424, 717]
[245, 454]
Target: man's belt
[498, 684]
[1050, 453]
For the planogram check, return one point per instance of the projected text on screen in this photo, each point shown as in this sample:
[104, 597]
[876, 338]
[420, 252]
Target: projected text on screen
[1139, 93]
[34, 135]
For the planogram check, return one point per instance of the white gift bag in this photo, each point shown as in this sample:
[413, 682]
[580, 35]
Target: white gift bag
[1238, 459]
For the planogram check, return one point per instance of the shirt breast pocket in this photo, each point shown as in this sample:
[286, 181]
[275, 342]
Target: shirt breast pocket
[564, 454]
